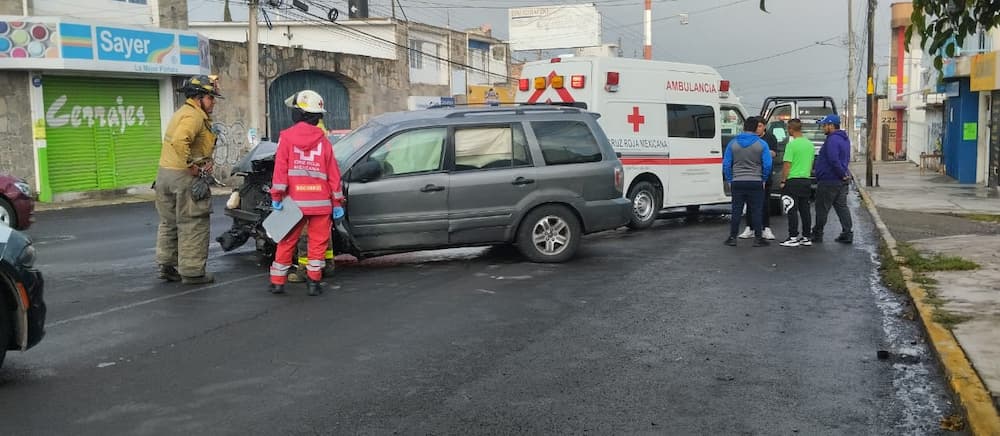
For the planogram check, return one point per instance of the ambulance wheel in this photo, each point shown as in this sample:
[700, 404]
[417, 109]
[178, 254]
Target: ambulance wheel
[549, 234]
[645, 205]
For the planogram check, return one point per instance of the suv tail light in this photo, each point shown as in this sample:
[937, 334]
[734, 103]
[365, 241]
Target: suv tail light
[619, 180]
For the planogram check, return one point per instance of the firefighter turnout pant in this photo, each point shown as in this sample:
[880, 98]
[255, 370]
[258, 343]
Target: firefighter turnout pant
[183, 235]
[302, 250]
[319, 238]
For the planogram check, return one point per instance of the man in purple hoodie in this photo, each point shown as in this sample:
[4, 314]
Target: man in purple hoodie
[833, 180]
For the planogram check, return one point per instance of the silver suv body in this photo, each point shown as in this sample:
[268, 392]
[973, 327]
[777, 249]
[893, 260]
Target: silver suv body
[537, 177]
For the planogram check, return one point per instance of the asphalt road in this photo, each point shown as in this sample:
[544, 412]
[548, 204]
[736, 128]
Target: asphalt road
[665, 331]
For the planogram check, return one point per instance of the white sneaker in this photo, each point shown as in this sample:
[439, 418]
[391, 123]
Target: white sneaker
[747, 233]
[805, 242]
[791, 242]
[767, 233]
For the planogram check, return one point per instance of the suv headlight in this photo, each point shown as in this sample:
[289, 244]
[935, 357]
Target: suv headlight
[24, 188]
[27, 256]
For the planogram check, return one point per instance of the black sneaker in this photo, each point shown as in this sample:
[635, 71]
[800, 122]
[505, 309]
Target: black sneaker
[845, 238]
[731, 241]
[276, 289]
[760, 242]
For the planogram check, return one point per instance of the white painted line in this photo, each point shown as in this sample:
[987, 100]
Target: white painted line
[145, 302]
[485, 291]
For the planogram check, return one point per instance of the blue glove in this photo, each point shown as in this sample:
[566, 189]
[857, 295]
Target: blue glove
[276, 205]
[338, 212]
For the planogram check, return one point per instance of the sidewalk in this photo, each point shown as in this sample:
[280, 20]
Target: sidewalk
[132, 195]
[930, 212]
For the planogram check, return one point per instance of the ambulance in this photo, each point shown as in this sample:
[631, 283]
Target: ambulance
[669, 122]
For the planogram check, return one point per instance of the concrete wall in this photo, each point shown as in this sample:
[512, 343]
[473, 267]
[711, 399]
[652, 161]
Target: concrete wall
[17, 155]
[375, 86]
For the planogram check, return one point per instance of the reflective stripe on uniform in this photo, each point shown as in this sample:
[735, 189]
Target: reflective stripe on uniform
[329, 254]
[303, 261]
[338, 195]
[307, 173]
[314, 203]
[278, 269]
[315, 265]
[279, 187]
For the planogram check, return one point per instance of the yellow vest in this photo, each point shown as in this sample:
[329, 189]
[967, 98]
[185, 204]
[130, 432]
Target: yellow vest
[188, 138]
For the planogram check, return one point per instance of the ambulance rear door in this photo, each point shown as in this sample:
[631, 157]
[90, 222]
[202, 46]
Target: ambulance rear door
[560, 81]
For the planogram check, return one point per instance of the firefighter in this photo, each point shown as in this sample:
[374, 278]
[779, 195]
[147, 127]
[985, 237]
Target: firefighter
[188, 145]
[305, 169]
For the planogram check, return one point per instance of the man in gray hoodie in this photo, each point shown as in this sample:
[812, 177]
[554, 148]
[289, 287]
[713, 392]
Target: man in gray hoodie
[746, 166]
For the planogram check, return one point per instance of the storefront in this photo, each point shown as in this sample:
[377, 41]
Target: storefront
[100, 97]
[961, 128]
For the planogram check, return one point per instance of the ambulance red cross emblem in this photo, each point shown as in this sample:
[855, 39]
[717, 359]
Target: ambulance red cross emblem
[635, 119]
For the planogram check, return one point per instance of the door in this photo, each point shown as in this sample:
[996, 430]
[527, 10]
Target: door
[101, 136]
[406, 206]
[695, 156]
[492, 175]
[334, 93]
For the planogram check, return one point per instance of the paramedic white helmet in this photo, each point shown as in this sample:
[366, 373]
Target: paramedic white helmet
[306, 100]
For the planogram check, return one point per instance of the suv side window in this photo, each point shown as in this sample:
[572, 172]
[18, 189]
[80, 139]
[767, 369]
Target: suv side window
[690, 121]
[415, 151]
[566, 142]
[487, 147]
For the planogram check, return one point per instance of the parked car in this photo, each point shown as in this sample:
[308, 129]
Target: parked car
[22, 310]
[17, 204]
[538, 177]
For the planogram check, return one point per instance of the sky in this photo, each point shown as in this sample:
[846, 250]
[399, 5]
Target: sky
[801, 44]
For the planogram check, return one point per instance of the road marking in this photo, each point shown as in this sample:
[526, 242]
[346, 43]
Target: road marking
[145, 302]
[485, 291]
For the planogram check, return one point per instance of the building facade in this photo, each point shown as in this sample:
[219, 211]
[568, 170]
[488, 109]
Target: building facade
[87, 97]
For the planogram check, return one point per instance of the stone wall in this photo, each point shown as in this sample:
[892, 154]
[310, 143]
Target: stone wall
[173, 14]
[374, 86]
[17, 151]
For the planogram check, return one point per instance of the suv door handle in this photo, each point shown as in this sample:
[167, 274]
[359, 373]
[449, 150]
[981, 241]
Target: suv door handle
[432, 188]
[520, 181]
[715, 152]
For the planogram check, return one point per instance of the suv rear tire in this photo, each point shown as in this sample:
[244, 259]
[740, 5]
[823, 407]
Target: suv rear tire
[646, 205]
[549, 234]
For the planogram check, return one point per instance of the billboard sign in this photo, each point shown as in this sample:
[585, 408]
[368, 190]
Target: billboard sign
[553, 27]
[52, 44]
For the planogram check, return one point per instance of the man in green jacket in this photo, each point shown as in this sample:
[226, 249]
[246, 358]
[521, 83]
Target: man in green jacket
[796, 185]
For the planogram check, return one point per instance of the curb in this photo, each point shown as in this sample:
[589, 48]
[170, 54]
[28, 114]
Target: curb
[982, 415]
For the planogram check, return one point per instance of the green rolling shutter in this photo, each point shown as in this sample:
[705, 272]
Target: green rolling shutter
[101, 133]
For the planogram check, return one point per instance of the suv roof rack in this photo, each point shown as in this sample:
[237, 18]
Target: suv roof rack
[519, 110]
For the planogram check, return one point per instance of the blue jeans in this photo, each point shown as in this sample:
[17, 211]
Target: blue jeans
[752, 194]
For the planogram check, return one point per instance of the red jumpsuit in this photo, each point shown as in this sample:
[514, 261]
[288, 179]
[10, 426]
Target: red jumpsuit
[306, 170]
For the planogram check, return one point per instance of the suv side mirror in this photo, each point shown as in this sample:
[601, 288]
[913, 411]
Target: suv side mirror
[366, 171]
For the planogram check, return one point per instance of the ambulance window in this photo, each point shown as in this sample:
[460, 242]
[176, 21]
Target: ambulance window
[566, 142]
[690, 121]
[486, 147]
[731, 122]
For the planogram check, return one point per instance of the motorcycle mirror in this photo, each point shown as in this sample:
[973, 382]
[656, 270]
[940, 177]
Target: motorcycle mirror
[366, 171]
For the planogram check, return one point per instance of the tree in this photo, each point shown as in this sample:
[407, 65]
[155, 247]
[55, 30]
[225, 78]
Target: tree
[941, 24]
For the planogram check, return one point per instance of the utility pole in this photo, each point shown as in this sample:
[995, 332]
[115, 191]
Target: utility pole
[851, 61]
[647, 20]
[393, 4]
[869, 154]
[253, 64]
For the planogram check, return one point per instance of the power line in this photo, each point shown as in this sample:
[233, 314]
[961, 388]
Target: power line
[764, 58]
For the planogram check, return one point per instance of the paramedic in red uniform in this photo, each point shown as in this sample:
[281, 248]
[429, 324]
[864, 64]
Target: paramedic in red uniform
[305, 170]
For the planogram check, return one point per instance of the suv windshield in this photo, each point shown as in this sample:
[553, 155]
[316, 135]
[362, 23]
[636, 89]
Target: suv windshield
[351, 143]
